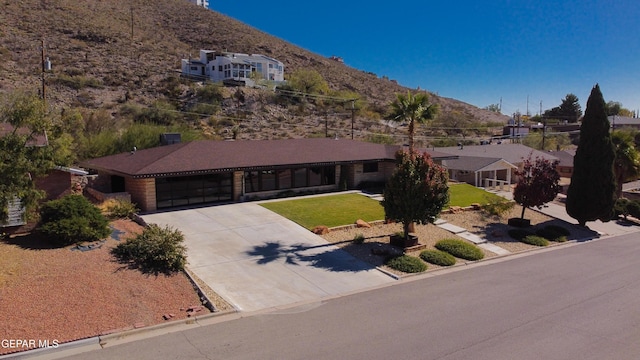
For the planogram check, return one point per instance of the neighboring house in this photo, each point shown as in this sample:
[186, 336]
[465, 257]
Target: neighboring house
[233, 68]
[198, 172]
[621, 122]
[203, 3]
[565, 164]
[488, 165]
[57, 183]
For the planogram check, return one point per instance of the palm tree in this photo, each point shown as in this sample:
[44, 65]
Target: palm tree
[413, 108]
[627, 162]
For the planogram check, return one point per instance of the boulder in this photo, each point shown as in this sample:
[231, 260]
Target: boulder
[320, 230]
[362, 224]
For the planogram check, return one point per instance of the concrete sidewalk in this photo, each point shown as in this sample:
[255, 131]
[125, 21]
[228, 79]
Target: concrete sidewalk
[557, 210]
[257, 259]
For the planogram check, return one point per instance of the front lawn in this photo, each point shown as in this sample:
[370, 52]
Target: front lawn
[330, 210]
[464, 195]
[344, 209]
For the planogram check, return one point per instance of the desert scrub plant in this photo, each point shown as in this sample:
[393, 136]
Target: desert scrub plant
[497, 207]
[519, 234]
[460, 249]
[438, 257]
[535, 240]
[407, 264]
[156, 250]
[118, 208]
[358, 239]
[554, 233]
[72, 219]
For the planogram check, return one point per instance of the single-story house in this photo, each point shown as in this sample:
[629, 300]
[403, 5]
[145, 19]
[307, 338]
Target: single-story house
[201, 172]
[622, 122]
[488, 165]
[58, 182]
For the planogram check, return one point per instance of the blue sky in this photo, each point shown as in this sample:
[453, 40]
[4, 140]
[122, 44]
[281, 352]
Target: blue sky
[474, 51]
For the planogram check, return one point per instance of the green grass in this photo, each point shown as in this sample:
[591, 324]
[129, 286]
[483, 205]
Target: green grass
[344, 209]
[464, 195]
[330, 210]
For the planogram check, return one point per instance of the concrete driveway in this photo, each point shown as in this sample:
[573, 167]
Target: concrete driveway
[256, 259]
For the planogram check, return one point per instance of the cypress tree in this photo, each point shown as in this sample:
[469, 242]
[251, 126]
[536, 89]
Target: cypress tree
[591, 194]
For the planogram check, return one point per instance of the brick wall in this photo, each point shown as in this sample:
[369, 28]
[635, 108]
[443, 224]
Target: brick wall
[143, 192]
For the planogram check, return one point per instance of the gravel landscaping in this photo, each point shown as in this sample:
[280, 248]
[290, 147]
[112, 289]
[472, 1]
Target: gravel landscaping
[376, 247]
[59, 294]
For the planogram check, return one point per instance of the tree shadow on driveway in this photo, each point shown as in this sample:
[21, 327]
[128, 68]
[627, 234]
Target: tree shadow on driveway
[331, 259]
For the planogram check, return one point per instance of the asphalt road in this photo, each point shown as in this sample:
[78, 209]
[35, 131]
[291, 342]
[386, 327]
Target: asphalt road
[578, 302]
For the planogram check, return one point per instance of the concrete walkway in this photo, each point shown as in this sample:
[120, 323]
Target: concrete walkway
[256, 259]
[557, 210]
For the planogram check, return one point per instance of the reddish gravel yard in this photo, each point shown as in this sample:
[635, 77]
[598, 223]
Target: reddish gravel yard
[63, 295]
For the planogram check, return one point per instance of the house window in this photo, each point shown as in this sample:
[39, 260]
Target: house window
[235, 73]
[219, 67]
[370, 167]
[284, 179]
[194, 68]
[188, 190]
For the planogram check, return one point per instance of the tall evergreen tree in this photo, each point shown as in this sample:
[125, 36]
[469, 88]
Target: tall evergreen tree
[591, 194]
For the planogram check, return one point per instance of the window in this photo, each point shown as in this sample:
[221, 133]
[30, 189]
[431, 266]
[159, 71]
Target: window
[187, 190]
[370, 167]
[194, 68]
[268, 180]
[235, 73]
[219, 67]
[284, 179]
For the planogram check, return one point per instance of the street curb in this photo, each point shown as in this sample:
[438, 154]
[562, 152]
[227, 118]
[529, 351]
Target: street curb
[101, 341]
[62, 349]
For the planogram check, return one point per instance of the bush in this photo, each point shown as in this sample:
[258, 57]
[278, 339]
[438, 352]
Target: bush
[553, 233]
[358, 239]
[497, 207]
[118, 209]
[633, 208]
[535, 240]
[460, 249]
[71, 220]
[620, 207]
[156, 250]
[438, 257]
[519, 234]
[407, 264]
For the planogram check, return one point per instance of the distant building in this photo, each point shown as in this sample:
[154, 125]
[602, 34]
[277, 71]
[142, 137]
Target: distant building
[621, 122]
[234, 68]
[203, 3]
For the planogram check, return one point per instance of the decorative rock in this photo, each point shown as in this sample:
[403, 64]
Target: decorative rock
[475, 206]
[455, 209]
[320, 230]
[362, 224]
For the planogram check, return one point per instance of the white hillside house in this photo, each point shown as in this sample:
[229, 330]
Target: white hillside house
[233, 67]
[204, 3]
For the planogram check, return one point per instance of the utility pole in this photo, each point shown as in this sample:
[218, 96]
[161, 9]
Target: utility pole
[353, 116]
[500, 108]
[544, 126]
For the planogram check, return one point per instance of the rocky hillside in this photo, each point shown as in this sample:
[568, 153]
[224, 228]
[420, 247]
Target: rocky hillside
[108, 53]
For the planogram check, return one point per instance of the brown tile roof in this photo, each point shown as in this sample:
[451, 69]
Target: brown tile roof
[513, 153]
[37, 140]
[217, 156]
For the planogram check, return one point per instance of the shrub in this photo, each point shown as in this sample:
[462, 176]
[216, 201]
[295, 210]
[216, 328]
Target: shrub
[71, 220]
[407, 264]
[497, 207]
[633, 208]
[535, 240]
[358, 239]
[460, 249]
[553, 233]
[118, 209]
[438, 257]
[155, 250]
[519, 234]
[620, 207]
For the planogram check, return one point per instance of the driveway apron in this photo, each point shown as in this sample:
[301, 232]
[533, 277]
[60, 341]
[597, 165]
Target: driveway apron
[256, 259]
